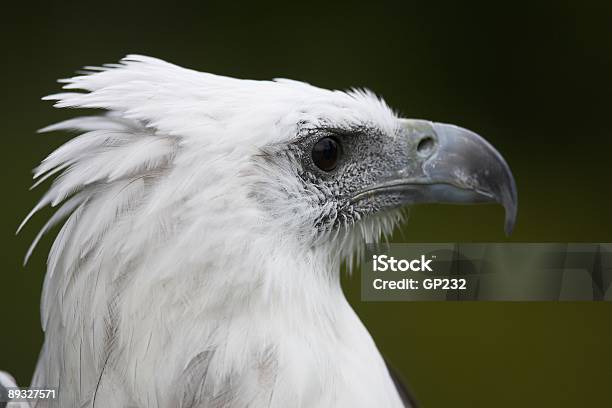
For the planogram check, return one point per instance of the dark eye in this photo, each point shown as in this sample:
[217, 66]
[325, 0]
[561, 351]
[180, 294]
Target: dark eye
[325, 154]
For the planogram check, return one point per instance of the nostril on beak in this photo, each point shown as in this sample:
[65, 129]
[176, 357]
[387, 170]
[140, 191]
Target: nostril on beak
[426, 146]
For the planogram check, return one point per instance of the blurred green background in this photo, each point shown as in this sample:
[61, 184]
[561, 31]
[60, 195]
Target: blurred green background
[534, 77]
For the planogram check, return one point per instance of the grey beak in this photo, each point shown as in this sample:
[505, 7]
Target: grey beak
[449, 164]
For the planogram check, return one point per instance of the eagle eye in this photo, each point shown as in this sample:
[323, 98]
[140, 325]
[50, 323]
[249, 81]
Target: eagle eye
[325, 153]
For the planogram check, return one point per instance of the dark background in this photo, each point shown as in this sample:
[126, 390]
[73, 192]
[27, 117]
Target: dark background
[533, 77]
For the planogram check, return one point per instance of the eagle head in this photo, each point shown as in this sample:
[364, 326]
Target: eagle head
[309, 165]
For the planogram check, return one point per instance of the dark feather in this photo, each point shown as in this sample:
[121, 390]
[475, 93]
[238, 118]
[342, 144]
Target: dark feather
[405, 394]
[3, 396]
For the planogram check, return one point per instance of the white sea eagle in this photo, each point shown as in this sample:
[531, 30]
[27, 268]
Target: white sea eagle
[206, 220]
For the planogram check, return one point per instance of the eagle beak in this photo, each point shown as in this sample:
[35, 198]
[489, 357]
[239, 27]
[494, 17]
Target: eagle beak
[448, 164]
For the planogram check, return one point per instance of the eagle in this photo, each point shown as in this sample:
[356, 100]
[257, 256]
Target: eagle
[204, 222]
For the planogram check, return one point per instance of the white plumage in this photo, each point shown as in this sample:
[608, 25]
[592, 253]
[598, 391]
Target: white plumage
[182, 275]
